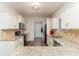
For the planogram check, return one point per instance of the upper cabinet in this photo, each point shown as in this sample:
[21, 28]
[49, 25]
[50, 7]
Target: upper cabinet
[70, 18]
[54, 23]
[20, 18]
[9, 19]
[48, 22]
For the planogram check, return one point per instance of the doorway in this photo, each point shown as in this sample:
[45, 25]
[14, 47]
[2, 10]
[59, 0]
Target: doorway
[38, 27]
[38, 34]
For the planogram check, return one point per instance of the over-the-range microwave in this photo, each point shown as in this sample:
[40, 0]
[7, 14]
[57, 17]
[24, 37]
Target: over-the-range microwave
[21, 26]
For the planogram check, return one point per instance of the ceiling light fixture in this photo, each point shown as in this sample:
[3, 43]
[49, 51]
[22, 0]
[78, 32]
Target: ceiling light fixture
[35, 6]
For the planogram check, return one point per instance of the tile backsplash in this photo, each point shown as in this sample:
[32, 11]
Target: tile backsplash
[7, 35]
[71, 34]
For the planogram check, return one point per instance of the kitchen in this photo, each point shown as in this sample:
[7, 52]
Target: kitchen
[59, 28]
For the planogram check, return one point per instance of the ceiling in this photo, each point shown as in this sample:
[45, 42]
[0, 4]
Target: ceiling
[25, 8]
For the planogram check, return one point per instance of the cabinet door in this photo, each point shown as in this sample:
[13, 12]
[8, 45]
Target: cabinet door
[9, 18]
[19, 42]
[7, 48]
[55, 23]
[70, 18]
[49, 41]
[48, 22]
[13, 23]
[74, 17]
[8, 21]
[4, 20]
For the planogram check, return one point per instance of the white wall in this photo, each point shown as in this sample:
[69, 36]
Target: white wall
[29, 25]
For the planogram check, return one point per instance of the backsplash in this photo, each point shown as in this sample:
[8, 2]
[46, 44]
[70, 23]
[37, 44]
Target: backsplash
[7, 35]
[73, 31]
[71, 34]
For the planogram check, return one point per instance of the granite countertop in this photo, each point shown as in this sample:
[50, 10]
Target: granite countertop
[64, 42]
[46, 51]
[58, 39]
[68, 48]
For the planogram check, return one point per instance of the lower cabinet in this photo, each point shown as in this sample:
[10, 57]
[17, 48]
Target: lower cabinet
[8, 48]
[19, 42]
[49, 41]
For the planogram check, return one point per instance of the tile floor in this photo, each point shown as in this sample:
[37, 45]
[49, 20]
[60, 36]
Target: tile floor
[36, 42]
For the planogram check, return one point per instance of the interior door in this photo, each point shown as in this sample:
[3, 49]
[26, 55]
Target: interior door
[37, 29]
